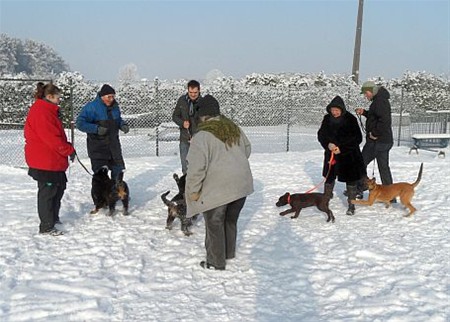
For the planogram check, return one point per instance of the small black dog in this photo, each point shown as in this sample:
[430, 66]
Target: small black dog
[105, 192]
[177, 206]
[119, 191]
[299, 201]
[101, 188]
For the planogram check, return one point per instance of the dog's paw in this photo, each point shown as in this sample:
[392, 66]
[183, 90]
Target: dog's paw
[169, 227]
[188, 233]
[93, 211]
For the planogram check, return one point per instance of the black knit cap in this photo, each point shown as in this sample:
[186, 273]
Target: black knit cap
[208, 105]
[106, 90]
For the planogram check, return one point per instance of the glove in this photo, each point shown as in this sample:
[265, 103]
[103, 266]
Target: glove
[102, 130]
[125, 128]
[72, 156]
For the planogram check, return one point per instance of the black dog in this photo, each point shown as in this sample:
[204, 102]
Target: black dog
[119, 191]
[105, 192]
[101, 188]
[177, 206]
[299, 201]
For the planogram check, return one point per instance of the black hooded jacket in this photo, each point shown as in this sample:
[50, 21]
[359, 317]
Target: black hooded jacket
[345, 133]
[379, 119]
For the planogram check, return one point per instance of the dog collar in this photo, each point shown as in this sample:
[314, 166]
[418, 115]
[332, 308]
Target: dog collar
[288, 198]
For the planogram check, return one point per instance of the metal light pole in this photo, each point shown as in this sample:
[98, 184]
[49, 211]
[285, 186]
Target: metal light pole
[357, 50]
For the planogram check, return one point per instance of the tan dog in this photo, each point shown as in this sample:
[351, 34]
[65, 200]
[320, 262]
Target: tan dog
[385, 193]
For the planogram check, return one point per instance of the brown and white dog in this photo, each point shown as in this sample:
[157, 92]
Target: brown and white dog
[385, 193]
[298, 201]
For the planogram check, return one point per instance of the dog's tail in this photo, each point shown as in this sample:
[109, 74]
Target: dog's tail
[166, 201]
[419, 176]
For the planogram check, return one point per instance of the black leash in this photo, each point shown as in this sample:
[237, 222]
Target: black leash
[84, 167]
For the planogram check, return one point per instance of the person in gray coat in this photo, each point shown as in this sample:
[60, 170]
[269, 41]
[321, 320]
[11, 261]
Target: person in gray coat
[218, 180]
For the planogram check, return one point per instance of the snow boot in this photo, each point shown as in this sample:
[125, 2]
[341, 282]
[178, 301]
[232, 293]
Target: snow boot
[351, 195]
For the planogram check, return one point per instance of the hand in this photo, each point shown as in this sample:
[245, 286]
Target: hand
[331, 146]
[125, 128]
[359, 111]
[195, 196]
[102, 130]
[72, 156]
[336, 150]
[186, 124]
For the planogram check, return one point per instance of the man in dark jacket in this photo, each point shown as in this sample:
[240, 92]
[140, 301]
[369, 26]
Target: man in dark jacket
[379, 138]
[101, 120]
[340, 136]
[185, 116]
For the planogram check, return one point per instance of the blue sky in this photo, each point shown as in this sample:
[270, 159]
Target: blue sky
[187, 39]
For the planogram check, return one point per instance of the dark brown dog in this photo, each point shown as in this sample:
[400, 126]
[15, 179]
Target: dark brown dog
[298, 201]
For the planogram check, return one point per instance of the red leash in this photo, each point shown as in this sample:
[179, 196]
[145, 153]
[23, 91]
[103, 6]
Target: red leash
[331, 163]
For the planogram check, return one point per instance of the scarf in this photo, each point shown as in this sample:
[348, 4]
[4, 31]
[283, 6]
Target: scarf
[222, 128]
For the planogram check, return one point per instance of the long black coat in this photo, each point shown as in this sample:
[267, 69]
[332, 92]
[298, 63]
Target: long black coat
[345, 133]
[379, 119]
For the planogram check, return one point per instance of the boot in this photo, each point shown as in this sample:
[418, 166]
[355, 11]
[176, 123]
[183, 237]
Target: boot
[328, 190]
[360, 188]
[351, 195]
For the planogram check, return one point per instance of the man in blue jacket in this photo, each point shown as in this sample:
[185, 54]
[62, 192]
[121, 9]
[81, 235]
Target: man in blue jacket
[101, 120]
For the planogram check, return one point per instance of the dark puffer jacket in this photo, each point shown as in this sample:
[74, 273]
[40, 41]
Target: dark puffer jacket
[345, 133]
[93, 115]
[379, 120]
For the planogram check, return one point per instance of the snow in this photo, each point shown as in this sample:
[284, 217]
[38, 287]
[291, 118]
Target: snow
[374, 266]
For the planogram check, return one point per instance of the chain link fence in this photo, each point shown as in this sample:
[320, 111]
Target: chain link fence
[274, 119]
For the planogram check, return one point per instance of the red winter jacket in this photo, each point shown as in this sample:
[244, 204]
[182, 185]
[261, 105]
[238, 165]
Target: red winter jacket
[46, 146]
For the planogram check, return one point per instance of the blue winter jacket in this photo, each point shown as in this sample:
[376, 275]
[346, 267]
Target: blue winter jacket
[93, 115]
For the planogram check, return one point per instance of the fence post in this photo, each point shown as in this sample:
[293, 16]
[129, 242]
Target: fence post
[158, 117]
[400, 120]
[289, 111]
[72, 122]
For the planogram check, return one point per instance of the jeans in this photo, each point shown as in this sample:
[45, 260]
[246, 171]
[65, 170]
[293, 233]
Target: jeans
[184, 149]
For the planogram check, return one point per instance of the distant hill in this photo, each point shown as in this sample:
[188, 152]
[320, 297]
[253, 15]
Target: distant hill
[29, 57]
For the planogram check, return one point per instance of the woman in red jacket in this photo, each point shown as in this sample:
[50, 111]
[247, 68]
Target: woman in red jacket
[46, 152]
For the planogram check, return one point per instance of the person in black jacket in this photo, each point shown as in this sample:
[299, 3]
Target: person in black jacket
[185, 116]
[340, 136]
[379, 138]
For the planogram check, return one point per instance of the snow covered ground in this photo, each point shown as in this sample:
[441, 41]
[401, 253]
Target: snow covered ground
[374, 266]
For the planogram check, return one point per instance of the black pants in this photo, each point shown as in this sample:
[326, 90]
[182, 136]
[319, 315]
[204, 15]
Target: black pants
[380, 152]
[116, 166]
[49, 203]
[221, 232]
